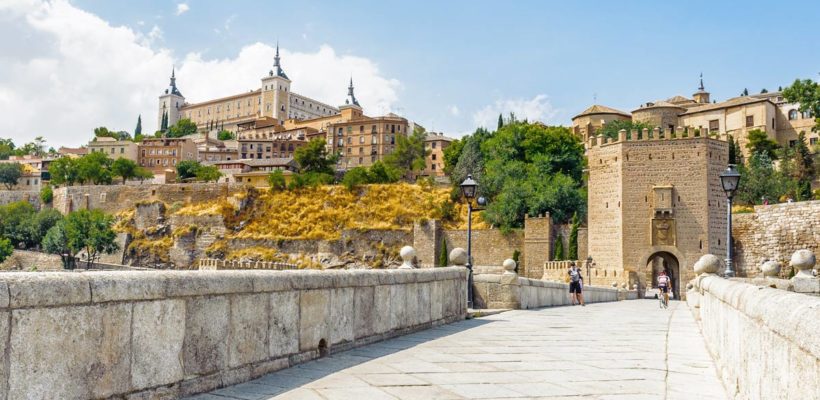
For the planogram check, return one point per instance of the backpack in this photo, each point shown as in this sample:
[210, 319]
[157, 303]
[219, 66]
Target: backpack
[574, 275]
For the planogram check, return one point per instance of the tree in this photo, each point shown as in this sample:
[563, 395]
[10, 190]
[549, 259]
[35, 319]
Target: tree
[186, 169]
[471, 160]
[90, 230]
[500, 122]
[55, 242]
[6, 249]
[572, 251]
[451, 155]
[6, 148]
[745, 92]
[64, 171]
[182, 128]
[10, 173]
[760, 180]
[46, 194]
[355, 177]
[208, 173]
[558, 254]
[309, 179]
[443, 256]
[14, 222]
[762, 91]
[138, 129]
[410, 154]
[804, 170]
[806, 93]
[732, 150]
[225, 135]
[313, 157]
[381, 172]
[94, 168]
[759, 142]
[38, 225]
[125, 169]
[163, 126]
[276, 181]
[611, 129]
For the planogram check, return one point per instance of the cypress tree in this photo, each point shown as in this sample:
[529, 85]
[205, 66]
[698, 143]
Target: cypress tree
[572, 252]
[443, 256]
[138, 129]
[500, 121]
[164, 126]
[558, 255]
[732, 153]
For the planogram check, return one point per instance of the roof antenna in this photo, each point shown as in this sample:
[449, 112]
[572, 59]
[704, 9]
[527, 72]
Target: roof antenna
[594, 98]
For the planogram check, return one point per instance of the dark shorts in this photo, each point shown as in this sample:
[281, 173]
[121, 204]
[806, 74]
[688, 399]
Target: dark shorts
[575, 287]
[663, 289]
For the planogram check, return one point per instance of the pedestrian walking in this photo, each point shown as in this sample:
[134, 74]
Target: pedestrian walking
[576, 288]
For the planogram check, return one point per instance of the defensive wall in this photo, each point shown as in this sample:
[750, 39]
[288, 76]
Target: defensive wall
[774, 232]
[13, 196]
[763, 340]
[169, 334]
[23, 260]
[116, 198]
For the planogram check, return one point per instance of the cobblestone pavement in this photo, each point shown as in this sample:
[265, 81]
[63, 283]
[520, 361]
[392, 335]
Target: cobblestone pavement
[625, 350]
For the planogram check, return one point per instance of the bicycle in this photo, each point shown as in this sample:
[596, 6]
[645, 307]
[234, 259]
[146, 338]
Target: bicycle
[662, 300]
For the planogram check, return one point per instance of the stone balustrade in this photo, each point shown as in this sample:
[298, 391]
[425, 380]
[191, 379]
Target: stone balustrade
[557, 271]
[169, 334]
[212, 264]
[763, 340]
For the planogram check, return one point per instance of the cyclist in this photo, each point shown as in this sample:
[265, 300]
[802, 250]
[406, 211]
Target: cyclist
[663, 286]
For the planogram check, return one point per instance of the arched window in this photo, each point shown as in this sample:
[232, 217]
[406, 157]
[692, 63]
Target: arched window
[792, 115]
[806, 114]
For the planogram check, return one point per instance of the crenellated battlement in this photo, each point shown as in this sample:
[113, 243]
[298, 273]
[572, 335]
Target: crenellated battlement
[657, 134]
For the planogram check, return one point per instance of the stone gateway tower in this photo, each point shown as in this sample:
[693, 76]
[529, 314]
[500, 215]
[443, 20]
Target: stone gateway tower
[655, 203]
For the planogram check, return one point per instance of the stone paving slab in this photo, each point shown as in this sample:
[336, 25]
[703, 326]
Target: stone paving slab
[608, 351]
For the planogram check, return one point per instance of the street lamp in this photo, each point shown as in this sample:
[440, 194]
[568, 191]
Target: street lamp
[589, 263]
[729, 179]
[468, 190]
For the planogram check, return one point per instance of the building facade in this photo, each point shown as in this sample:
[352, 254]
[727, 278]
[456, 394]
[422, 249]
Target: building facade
[435, 143]
[114, 148]
[160, 154]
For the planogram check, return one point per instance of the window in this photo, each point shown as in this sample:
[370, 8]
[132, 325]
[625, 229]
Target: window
[112, 150]
[714, 125]
[374, 139]
[750, 121]
[349, 140]
[433, 145]
[434, 167]
[349, 150]
[361, 139]
[434, 157]
[361, 128]
[792, 143]
[813, 141]
[792, 115]
[341, 142]
[122, 150]
[806, 114]
[340, 131]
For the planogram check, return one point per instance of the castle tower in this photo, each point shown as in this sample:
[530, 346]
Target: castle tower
[275, 92]
[701, 96]
[169, 103]
[351, 108]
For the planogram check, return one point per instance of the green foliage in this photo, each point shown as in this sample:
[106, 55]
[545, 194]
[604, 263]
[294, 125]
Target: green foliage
[410, 154]
[309, 179]
[120, 135]
[760, 180]
[94, 168]
[471, 159]
[46, 194]
[21, 224]
[225, 135]
[186, 169]
[558, 253]
[500, 122]
[6, 148]
[313, 157]
[759, 142]
[531, 169]
[572, 251]
[208, 173]
[10, 173]
[5, 249]
[734, 151]
[379, 172]
[745, 92]
[163, 126]
[612, 128]
[276, 180]
[451, 155]
[125, 169]
[138, 129]
[355, 177]
[89, 230]
[55, 242]
[182, 128]
[64, 171]
[443, 255]
[806, 93]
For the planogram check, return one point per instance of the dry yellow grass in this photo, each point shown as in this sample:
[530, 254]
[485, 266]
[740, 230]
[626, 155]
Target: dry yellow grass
[323, 212]
[256, 253]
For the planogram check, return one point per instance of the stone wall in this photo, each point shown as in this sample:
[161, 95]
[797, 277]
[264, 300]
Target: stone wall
[13, 196]
[512, 291]
[108, 335]
[774, 232]
[763, 340]
[116, 198]
[23, 260]
[490, 246]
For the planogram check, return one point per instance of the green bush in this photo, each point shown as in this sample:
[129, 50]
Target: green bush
[46, 194]
[355, 177]
[558, 255]
[277, 182]
[310, 179]
[443, 256]
[5, 249]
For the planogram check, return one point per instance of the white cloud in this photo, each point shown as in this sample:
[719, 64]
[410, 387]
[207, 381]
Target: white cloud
[454, 110]
[81, 72]
[536, 109]
[155, 34]
[182, 8]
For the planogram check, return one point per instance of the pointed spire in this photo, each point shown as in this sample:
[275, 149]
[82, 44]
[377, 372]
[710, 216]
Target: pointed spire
[701, 82]
[172, 88]
[351, 98]
[277, 66]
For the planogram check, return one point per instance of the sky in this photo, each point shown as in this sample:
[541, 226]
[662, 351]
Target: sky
[451, 66]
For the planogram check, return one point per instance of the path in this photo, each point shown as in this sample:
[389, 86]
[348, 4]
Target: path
[624, 350]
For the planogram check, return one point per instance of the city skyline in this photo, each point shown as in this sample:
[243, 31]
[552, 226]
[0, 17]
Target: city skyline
[449, 67]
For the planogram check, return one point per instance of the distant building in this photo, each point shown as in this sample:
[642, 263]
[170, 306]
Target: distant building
[160, 154]
[254, 171]
[435, 143]
[72, 152]
[114, 148]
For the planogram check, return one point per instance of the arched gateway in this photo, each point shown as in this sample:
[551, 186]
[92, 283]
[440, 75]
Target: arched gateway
[666, 262]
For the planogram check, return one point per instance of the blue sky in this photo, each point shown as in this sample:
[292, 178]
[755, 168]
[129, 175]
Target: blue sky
[452, 65]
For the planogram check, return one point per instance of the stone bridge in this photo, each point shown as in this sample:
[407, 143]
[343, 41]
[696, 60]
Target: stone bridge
[393, 334]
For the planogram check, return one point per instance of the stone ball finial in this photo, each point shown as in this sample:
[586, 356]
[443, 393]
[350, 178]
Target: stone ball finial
[509, 266]
[615, 284]
[635, 287]
[624, 285]
[770, 268]
[804, 261]
[707, 264]
[458, 256]
[407, 254]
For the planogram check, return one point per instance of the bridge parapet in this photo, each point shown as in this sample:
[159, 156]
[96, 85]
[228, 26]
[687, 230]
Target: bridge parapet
[171, 334]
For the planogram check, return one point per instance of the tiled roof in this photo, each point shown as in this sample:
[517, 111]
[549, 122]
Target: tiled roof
[599, 109]
[734, 102]
[659, 104]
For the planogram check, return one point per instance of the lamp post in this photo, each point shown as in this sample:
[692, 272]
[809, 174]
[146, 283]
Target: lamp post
[729, 179]
[589, 276]
[468, 190]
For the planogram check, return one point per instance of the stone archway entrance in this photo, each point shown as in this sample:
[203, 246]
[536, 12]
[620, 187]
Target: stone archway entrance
[664, 261]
